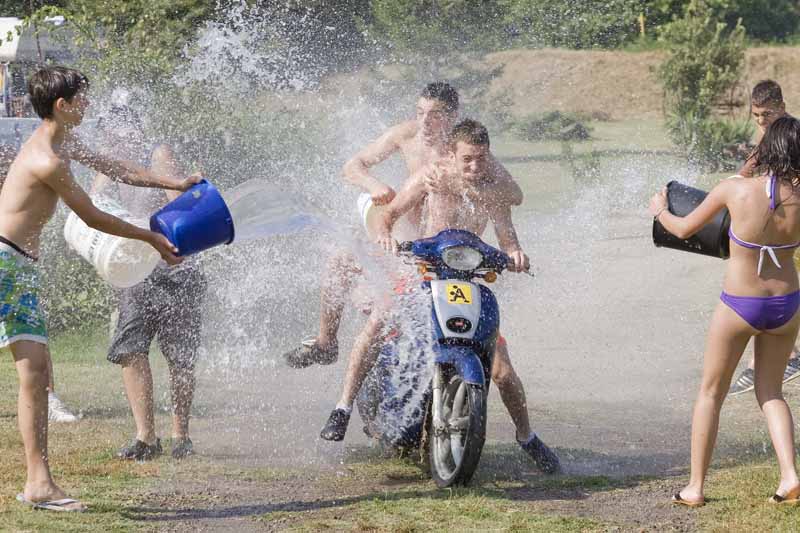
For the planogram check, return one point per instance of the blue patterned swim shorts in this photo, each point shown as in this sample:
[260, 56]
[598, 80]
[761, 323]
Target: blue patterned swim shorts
[20, 316]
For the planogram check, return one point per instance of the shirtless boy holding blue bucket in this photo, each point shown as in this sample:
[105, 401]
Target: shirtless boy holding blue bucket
[39, 176]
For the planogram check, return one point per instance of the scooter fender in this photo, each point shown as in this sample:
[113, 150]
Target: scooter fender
[466, 361]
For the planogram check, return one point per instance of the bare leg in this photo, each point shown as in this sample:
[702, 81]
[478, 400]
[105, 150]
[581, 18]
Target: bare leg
[511, 390]
[182, 384]
[51, 387]
[727, 338]
[33, 363]
[362, 357]
[770, 364]
[339, 279]
[138, 382]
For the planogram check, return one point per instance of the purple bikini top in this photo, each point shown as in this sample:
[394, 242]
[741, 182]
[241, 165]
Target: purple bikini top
[772, 193]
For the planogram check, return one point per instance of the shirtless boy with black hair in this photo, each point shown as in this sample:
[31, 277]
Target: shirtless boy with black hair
[40, 176]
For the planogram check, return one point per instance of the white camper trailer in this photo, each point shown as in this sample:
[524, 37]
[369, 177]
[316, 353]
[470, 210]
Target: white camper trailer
[19, 54]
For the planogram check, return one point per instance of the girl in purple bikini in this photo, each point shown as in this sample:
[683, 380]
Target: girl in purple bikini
[760, 299]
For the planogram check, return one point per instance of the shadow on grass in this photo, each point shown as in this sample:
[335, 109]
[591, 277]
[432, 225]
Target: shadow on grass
[368, 474]
[504, 474]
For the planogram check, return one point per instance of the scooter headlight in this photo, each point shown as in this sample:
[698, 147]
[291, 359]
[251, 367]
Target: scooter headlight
[462, 258]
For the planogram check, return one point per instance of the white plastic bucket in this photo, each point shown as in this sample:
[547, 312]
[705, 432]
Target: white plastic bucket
[121, 262]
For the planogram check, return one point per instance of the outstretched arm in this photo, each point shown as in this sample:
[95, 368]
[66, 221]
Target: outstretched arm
[685, 227]
[356, 170]
[164, 163]
[126, 171]
[56, 174]
[507, 238]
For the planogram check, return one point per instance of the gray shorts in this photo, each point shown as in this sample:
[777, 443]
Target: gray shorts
[167, 305]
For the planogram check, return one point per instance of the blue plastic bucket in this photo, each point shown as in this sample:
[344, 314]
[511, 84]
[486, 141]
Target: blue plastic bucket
[196, 220]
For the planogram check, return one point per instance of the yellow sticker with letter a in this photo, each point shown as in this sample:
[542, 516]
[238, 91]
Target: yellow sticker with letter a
[459, 293]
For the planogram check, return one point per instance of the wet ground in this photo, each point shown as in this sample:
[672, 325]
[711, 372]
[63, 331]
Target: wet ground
[610, 362]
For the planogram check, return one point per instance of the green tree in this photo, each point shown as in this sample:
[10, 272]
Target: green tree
[141, 39]
[435, 27]
[705, 57]
[574, 23]
[766, 20]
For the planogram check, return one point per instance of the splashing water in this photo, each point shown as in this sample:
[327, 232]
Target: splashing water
[260, 209]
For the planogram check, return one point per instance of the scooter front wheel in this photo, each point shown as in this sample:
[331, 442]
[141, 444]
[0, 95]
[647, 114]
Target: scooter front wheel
[457, 430]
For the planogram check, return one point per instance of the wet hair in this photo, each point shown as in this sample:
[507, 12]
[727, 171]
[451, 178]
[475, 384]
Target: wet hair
[778, 153]
[444, 92]
[469, 131]
[51, 83]
[766, 92]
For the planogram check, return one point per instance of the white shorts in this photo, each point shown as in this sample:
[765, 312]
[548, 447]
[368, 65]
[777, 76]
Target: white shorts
[364, 203]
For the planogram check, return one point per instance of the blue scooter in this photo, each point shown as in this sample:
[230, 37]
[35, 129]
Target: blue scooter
[445, 417]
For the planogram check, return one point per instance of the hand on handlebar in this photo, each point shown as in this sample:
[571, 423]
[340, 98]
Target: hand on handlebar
[388, 244]
[519, 262]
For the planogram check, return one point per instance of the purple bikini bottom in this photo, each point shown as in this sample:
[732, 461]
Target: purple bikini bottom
[761, 312]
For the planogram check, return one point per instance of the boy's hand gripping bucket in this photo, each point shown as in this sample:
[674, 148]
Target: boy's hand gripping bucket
[712, 239]
[196, 220]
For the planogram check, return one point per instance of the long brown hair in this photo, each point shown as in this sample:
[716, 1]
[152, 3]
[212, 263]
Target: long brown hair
[778, 153]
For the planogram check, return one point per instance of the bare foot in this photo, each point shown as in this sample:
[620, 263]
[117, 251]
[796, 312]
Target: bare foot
[43, 492]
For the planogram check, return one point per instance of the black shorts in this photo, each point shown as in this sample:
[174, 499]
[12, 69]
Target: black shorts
[168, 304]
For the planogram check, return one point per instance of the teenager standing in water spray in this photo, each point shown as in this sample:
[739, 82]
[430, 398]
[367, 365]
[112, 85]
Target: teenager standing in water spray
[760, 299]
[57, 410]
[39, 176]
[420, 142]
[766, 106]
[168, 304]
[465, 196]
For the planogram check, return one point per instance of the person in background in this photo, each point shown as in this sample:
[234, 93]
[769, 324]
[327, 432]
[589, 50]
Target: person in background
[167, 305]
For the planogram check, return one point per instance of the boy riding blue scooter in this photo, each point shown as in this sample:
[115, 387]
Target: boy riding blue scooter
[465, 201]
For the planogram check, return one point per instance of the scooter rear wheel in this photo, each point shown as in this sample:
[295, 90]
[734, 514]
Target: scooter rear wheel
[456, 441]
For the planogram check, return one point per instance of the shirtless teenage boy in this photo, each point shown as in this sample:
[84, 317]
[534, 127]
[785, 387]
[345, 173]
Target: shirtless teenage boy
[466, 199]
[39, 176]
[420, 142]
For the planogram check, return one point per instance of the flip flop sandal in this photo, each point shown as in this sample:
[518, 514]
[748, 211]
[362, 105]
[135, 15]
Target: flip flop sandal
[52, 505]
[783, 500]
[677, 500]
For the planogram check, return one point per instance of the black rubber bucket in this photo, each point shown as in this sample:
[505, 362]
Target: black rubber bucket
[711, 240]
